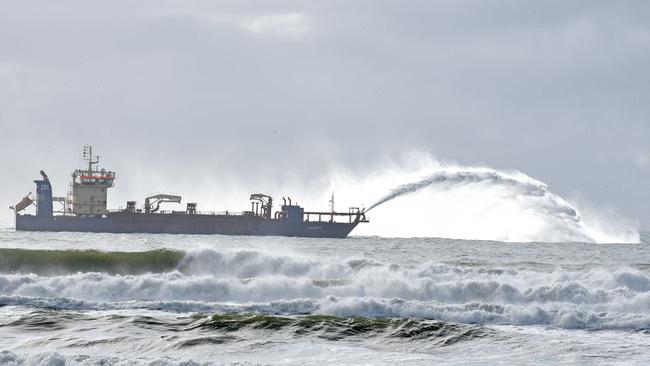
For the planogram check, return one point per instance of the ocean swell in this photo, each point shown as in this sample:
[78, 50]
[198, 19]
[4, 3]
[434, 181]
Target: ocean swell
[48, 262]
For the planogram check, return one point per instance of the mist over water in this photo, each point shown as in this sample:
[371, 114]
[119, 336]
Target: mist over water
[434, 199]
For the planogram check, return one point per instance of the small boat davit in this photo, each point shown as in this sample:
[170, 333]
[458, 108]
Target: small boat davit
[84, 209]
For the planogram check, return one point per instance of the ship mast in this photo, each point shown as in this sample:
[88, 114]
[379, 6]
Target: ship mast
[88, 154]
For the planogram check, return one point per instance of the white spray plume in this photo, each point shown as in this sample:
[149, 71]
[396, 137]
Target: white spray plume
[423, 197]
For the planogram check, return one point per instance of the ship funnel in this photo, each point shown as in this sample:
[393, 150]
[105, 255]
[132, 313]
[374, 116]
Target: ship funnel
[289, 198]
[44, 197]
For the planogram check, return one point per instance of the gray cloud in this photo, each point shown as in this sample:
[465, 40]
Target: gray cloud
[252, 92]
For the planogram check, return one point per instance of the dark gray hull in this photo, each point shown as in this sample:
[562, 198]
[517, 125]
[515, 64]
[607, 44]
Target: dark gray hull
[181, 223]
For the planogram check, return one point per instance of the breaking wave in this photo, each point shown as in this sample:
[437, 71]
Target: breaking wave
[245, 281]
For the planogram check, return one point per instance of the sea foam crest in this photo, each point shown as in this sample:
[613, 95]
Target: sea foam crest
[248, 275]
[249, 280]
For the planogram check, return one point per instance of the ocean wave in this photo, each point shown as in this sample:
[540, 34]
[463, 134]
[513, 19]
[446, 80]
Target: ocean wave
[48, 262]
[248, 275]
[338, 328]
[234, 333]
[237, 326]
[475, 313]
[594, 288]
[209, 280]
[240, 263]
[249, 263]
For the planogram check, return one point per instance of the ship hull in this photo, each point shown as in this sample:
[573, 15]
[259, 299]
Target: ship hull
[181, 223]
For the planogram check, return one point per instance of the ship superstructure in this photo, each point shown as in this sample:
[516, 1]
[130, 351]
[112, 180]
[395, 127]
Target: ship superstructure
[85, 209]
[88, 193]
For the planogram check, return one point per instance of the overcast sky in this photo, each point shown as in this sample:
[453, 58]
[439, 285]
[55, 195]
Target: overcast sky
[197, 95]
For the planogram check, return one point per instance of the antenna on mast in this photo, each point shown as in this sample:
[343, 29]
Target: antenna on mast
[332, 201]
[88, 155]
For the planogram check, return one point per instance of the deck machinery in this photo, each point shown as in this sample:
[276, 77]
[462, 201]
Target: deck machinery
[85, 209]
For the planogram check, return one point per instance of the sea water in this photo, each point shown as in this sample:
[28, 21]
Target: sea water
[143, 299]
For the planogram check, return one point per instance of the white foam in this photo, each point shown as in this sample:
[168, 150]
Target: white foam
[248, 280]
[8, 358]
[247, 263]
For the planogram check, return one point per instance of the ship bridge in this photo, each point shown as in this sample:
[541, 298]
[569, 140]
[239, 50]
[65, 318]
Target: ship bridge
[89, 187]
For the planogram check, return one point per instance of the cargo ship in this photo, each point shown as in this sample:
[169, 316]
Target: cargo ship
[84, 209]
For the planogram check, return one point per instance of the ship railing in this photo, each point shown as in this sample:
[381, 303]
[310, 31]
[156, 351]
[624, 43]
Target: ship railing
[354, 214]
[221, 213]
[171, 212]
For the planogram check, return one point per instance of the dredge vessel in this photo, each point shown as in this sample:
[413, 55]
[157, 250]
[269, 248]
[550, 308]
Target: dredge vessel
[85, 209]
